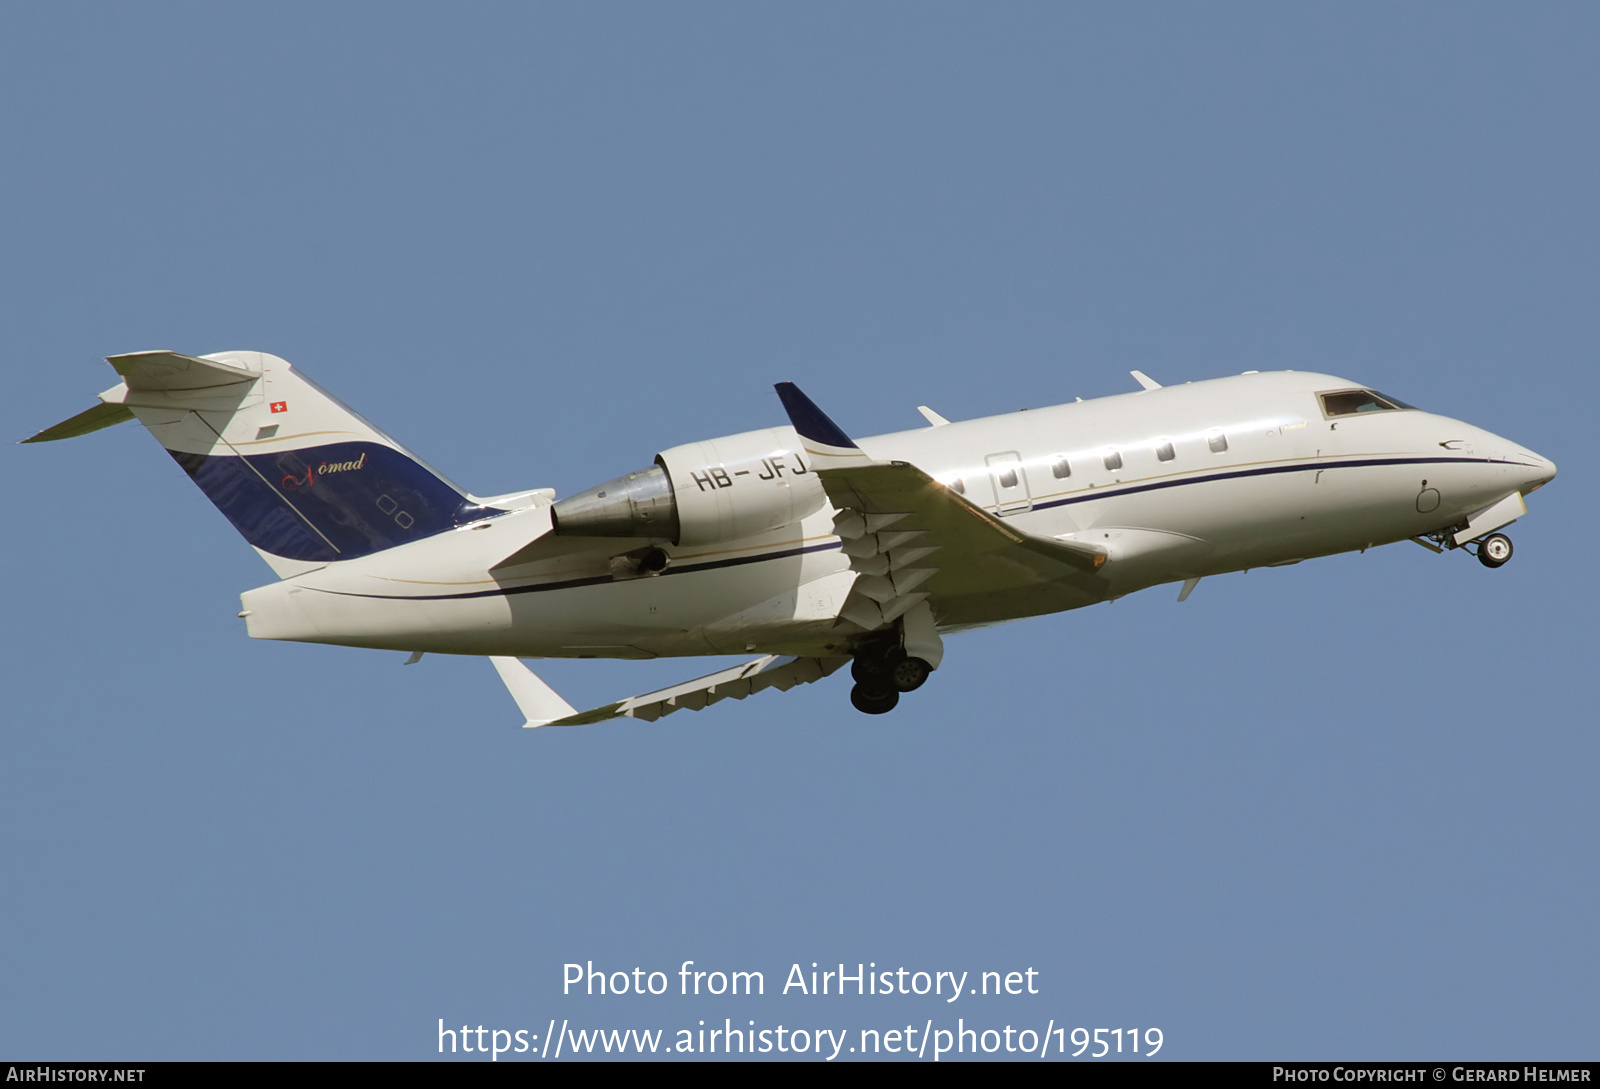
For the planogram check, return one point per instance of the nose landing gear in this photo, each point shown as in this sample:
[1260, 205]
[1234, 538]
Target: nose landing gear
[1494, 550]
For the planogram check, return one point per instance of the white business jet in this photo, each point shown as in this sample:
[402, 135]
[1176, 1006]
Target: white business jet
[799, 543]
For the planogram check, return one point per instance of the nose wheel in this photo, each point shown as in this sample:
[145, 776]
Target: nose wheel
[1494, 550]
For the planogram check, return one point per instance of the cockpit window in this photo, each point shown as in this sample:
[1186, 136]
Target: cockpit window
[1350, 402]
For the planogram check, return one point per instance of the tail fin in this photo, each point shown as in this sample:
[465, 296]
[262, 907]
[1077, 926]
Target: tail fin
[301, 476]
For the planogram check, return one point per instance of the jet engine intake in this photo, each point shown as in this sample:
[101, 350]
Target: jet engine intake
[639, 504]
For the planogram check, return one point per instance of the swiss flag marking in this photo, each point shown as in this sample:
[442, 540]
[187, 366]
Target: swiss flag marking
[280, 406]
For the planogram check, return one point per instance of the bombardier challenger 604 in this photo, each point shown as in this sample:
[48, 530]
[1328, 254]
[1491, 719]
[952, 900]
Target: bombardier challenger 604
[798, 543]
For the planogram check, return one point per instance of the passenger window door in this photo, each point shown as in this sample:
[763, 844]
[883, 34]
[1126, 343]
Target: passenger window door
[1010, 483]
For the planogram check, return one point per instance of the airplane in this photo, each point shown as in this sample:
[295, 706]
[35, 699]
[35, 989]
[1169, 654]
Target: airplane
[799, 543]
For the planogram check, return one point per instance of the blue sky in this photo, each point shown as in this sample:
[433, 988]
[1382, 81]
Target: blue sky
[1344, 809]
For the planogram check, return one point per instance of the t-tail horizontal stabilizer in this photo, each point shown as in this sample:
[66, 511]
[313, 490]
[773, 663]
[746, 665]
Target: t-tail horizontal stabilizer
[542, 707]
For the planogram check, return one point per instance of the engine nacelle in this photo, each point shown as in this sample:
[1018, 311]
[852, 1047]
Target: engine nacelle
[702, 493]
[740, 485]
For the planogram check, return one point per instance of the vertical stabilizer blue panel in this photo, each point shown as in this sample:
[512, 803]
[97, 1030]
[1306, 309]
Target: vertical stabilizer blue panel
[340, 501]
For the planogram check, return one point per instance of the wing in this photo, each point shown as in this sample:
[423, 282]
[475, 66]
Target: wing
[911, 538]
[542, 707]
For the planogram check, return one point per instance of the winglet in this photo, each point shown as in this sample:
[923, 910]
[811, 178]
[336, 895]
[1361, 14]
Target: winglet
[1145, 380]
[822, 437]
[536, 700]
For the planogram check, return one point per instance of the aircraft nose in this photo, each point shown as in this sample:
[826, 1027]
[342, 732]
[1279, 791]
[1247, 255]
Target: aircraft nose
[1536, 471]
[1544, 473]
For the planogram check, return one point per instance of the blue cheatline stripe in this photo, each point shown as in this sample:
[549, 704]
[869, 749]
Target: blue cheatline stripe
[1270, 470]
[1099, 493]
[598, 580]
[338, 501]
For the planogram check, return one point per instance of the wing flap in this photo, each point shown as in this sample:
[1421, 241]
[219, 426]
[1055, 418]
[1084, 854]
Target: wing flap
[541, 705]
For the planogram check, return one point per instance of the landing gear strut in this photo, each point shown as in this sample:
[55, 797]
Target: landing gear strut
[1492, 551]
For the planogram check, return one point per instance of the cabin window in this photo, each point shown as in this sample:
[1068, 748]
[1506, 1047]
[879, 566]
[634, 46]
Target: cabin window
[1350, 402]
[1218, 442]
[1008, 478]
[1060, 467]
[1113, 460]
[958, 486]
[1164, 451]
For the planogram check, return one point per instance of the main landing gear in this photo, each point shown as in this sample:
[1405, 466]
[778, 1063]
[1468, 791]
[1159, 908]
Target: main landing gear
[881, 673]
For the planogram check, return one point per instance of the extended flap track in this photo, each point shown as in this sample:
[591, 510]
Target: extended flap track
[891, 561]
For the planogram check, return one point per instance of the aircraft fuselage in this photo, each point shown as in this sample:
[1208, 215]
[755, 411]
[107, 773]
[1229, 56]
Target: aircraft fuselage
[1173, 483]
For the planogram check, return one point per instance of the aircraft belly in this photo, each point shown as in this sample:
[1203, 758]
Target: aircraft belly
[995, 606]
[1231, 524]
[570, 607]
[1350, 508]
[1312, 512]
[801, 619]
[671, 614]
[319, 615]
